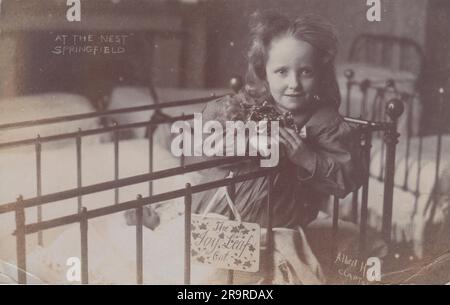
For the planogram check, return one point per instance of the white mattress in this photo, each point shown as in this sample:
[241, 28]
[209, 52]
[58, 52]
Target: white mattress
[410, 215]
[18, 177]
[47, 105]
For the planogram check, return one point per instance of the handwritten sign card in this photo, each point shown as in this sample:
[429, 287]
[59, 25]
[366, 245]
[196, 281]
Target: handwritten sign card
[225, 244]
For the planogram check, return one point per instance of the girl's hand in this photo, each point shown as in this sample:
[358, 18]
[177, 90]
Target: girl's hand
[291, 141]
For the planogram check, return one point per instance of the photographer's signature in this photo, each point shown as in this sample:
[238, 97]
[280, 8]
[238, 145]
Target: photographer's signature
[359, 271]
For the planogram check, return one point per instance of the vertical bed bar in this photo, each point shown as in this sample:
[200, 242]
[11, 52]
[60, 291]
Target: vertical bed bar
[382, 149]
[410, 103]
[349, 74]
[84, 246]
[382, 156]
[364, 86]
[378, 98]
[236, 84]
[150, 156]
[432, 203]
[365, 194]
[335, 227]
[419, 171]
[182, 157]
[116, 161]
[355, 206]
[21, 241]
[139, 241]
[79, 166]
[439, 136]
[38, 149]
[269, 235]
[379, 110]
[187, 234]
[232, 193]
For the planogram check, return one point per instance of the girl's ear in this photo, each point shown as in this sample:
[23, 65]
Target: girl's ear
[266, 89]
[328, 88]
[326, 59]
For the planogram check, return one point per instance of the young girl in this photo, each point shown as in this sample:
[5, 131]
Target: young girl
[291, 68]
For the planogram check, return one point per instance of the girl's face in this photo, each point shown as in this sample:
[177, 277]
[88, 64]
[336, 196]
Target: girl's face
[290, 73]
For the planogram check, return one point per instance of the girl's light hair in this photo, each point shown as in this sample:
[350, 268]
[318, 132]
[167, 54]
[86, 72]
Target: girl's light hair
[268, 25]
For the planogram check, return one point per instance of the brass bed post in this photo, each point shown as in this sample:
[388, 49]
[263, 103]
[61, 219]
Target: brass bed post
[367, 145]
[394, 109]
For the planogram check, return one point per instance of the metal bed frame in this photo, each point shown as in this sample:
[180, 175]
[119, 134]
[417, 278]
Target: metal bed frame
[379, 103]
[19, 207]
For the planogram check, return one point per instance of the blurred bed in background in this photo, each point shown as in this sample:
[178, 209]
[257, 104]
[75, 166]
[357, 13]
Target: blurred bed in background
[380, 68]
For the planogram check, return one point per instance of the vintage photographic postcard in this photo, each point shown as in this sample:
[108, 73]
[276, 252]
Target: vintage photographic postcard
[224, 142]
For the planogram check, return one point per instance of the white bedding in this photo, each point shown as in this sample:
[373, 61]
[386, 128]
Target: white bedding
[112, 254]
[428, 161]
[59, 162]
[18, 177]
[410, 215]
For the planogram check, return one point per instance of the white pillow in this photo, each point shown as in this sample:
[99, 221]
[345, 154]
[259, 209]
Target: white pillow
[42, 106]
[126, 97]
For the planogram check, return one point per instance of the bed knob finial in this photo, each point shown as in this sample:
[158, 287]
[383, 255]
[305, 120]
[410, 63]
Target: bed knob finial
[394, 109]
[365, 84]
[390, 83]
[349, 74]
[236, 83]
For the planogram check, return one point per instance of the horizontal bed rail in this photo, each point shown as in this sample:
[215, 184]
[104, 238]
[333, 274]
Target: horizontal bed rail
[90, 132]
[143, 201]
[96, 114]
[104, 186]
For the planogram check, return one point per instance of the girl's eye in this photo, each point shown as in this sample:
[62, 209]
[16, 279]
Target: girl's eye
[281, 72]
[306, 72]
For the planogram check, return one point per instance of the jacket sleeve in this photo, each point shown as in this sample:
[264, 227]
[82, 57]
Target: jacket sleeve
[216, 144]
[329, 161]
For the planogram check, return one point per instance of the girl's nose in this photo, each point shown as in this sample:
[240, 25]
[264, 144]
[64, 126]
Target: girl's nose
[293, 82]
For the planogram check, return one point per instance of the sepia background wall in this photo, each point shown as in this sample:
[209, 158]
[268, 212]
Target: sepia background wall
[228, 22]
[189, 43]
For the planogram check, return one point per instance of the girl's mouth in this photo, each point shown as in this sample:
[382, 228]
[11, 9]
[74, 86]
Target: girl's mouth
[295, 95]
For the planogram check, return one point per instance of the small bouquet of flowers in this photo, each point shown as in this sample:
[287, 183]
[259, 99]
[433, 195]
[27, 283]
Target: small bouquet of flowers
[267, 112]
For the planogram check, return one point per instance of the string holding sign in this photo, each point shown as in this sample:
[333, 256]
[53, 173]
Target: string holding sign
[222, 243]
